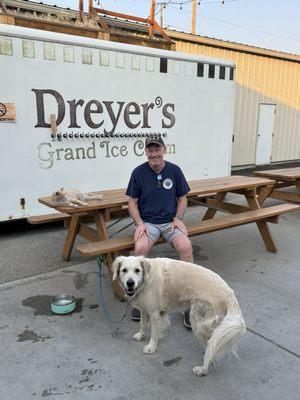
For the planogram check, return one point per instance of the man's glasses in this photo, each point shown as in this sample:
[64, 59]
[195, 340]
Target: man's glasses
[159, 179]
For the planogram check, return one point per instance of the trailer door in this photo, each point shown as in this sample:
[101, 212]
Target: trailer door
[265, 133]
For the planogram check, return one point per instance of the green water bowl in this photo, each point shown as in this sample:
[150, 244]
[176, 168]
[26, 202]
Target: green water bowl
[63, 304]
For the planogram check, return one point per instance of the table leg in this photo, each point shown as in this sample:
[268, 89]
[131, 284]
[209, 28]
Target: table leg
[71, 236]
[264, 193]
[266, 236]
[210, 213]
[100, 223]
[99, 218]
[262, 226]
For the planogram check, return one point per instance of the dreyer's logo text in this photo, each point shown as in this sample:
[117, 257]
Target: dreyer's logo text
[103, 115]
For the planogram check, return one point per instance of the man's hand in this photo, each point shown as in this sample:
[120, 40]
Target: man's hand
[179, 225]
[139, 231]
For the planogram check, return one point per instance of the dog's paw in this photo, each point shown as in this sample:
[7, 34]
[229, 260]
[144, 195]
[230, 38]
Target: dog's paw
[138, 336]
[148, 349]
[200, 371]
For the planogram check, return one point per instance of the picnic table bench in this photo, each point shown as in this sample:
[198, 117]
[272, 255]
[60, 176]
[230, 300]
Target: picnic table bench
[284, 177]
[254, 190]
[268, 214]
[46, 218]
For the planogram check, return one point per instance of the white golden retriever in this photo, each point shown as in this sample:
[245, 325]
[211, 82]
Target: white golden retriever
[160, 285]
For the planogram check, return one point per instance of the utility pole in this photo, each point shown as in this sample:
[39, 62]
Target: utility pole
[90, 7]
[194, 16]
[161, 14]
[152, 16]
[81, 10]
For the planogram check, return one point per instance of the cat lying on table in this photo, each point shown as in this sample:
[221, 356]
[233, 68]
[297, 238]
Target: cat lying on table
[72, 197]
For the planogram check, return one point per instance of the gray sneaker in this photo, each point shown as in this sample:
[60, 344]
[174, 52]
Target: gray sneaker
[135, 314]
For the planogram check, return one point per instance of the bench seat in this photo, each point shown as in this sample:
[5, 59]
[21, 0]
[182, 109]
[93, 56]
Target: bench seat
[42, 219]
[117, 212]
[193, 228]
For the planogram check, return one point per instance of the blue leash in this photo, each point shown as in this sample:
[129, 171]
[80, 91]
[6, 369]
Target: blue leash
[100, 261]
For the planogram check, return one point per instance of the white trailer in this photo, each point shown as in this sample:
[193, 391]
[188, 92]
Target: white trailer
[75, 112]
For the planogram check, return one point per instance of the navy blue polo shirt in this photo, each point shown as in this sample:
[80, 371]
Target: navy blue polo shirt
[157, 194]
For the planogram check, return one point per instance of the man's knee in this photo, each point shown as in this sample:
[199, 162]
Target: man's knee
[184, 247]
[142, 247]
[182, 243]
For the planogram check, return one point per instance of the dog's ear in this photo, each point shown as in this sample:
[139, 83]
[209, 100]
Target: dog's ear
[145, 265]
[116, 267]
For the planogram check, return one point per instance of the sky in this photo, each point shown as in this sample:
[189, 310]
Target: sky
[271, 24]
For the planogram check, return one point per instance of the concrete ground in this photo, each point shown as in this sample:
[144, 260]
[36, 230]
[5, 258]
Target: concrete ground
[85, 356]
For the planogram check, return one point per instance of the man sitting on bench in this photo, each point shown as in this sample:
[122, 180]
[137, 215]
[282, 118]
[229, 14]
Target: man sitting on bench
[157, 201]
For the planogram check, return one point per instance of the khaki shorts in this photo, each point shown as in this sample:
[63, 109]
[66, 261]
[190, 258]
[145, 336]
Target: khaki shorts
[164, 230]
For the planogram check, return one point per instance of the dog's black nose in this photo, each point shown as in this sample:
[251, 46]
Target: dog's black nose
[130, 283]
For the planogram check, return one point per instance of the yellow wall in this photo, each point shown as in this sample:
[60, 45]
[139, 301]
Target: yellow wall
[260, 79]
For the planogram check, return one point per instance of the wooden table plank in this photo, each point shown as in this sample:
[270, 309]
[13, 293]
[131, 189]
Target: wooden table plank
[227, 184]
[111, 198]
[285, 196]
[285, 177]
[285, 174]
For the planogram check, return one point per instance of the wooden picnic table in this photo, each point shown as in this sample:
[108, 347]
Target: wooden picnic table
[207, 192]
[250, 187]
[284, 177]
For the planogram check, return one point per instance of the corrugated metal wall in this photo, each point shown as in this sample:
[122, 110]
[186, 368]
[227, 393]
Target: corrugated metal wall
[260, 79]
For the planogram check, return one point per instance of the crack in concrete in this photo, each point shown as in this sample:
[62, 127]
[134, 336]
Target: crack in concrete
[272, 341]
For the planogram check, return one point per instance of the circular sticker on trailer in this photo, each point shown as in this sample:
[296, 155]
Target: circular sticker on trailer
[3, 109]
[168, 183]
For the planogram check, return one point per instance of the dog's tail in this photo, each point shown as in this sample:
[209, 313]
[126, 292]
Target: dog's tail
[226, 335]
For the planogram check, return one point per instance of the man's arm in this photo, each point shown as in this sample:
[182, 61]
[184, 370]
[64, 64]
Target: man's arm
[178, 220]
[135, 215]
[134, 210]
[181, 207]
